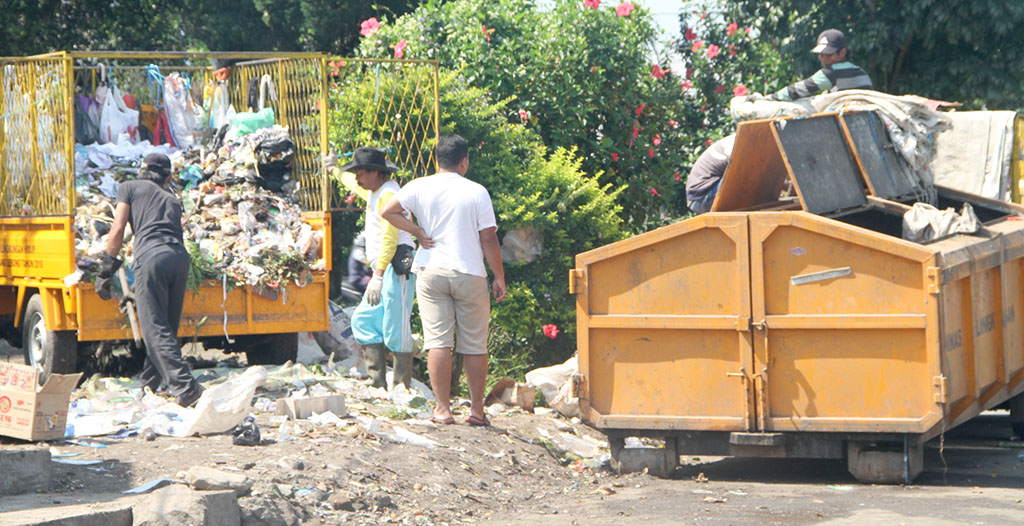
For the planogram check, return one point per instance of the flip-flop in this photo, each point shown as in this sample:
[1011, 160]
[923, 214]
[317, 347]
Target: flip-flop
[479, 422]
[443, 421]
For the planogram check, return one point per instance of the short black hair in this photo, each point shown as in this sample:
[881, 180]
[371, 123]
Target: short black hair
[451, 150]
[153, 174]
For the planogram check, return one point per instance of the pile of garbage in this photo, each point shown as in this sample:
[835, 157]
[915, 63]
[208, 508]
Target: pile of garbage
[242, 219]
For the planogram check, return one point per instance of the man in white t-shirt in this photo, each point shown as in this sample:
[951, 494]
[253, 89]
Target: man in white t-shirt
[457, 232]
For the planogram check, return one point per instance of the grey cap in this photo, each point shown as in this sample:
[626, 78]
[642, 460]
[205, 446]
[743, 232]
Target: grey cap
[830, 41]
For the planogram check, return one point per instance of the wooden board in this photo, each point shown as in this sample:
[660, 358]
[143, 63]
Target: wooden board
[820, 164]
[887, 175]
[756, 171]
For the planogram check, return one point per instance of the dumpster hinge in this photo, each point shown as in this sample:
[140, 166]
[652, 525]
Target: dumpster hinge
[574, 275]
[577, 385]
[942, 383]
[935, 276]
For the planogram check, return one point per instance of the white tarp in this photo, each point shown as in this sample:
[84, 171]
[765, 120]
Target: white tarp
[975, 155]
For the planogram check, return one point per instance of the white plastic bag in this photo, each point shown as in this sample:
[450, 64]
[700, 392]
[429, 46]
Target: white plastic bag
[555, 383]
[180, 111]
[221, 110]
[224, 406]
[117, 119]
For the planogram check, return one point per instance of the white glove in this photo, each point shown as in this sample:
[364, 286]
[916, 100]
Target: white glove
[373, 289]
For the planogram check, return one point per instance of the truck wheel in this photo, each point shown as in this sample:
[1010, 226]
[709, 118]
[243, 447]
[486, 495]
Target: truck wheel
[271, 349]
[48, 351]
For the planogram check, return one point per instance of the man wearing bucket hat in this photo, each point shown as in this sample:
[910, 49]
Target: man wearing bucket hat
[837, 73]
[381, 321]
[161, 265]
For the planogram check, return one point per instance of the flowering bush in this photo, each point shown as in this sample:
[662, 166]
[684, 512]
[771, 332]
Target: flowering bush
[580, 74]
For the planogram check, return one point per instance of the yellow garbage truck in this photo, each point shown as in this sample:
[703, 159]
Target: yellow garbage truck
[54, 316]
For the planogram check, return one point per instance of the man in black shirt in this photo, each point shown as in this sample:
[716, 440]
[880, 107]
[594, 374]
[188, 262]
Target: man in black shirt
[161, 269]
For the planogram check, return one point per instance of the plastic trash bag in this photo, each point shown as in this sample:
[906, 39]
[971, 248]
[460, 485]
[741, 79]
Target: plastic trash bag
[246, 122]
[117, 119]
[224, 406]
[923, 222]
[555, 383]
[181, 112]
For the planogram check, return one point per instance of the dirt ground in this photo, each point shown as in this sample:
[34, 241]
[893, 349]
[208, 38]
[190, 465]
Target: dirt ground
[506, 475]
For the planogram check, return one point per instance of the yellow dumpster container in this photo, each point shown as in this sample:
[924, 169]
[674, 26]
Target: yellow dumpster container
[806, 327]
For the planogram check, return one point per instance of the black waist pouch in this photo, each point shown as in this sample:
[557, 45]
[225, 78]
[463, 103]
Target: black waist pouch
[402, 262]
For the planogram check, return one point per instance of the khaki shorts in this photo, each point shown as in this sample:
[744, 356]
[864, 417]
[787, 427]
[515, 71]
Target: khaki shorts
[453, 303]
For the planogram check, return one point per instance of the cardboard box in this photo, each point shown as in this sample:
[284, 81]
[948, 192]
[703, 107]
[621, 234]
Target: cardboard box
[301, 408]
[30, 412]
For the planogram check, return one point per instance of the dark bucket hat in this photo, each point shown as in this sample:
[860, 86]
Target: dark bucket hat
[368, 158]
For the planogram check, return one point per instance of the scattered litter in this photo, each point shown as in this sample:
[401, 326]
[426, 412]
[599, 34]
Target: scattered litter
[246, 433]
[716, 500]
[87, 443]
[510, 393]
[555, 383]
[701, 478]
[55, 453]
[152, 485]
[702, 492]
[327, 418]
[839, 488]
[74, 462]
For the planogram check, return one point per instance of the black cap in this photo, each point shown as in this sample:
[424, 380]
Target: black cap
[157, 163]
[830, 41]
[367, 158]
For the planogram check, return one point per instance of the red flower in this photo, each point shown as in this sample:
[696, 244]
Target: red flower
[640, 109]
[712, 51]
[400, 48]
[594, 4]
[746, 30]
[739, 91]
[654, 192]
[624, 9]
[697, 45]
[690, 35]
[550, 330]
[673, 123]
[336, 67]
[656, 140]
[615, 157]
[689, 73]
[524, 115]
[636, 130]
[350, 198]
[677, 176]
[650, 151]
[657, 72]
[369, 26]
[687, 85]
[707, 142]
[487, 32]
[720, 89]
[731, 29]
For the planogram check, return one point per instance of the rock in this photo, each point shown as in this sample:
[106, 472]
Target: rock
[266, 511]
[291, 463]
[204, 478]
[178, 505]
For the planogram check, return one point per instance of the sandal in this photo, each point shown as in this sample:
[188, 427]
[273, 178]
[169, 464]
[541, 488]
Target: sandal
[443, 421]
[479, 422]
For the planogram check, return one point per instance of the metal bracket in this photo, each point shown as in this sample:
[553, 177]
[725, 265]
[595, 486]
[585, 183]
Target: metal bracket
[941, 382]
[575, 274]
[935, 276]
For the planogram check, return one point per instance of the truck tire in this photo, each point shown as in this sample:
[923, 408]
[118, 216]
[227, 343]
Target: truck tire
[271, 349]
[48, 351]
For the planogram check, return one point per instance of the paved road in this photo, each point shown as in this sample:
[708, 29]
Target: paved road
[10, 354]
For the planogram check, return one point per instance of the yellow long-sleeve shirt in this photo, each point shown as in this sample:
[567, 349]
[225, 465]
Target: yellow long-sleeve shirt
[384, 235]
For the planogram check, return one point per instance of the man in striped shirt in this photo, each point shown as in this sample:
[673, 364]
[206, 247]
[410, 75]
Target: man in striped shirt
[837, 72]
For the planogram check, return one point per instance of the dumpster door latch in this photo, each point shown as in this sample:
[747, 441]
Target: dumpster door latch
[935, 276]
[574, 275]
[942, 383]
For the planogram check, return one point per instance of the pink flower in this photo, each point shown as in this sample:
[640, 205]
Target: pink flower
[677, 176]
[657, 72]
[650, 151]
[593, 4]
[690, 35]
[640, 109]
[369, 26]
[336, 66]
[400, 48]
[746, 30]
[624, 9]
[487, 32]
[656, 140]
[550, 330]
[350, 198]
[697, 44]
[712, 51]
[673, 123]
[687, 85]
[739, 91]
[615, 157]
[654, 191]
[524, 115]
[732, 28]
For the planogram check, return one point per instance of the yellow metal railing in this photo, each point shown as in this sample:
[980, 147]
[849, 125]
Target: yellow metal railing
[36, 136]
[387, 103]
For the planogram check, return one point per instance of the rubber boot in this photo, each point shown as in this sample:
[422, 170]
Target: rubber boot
[403, 369]
[375, 355]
